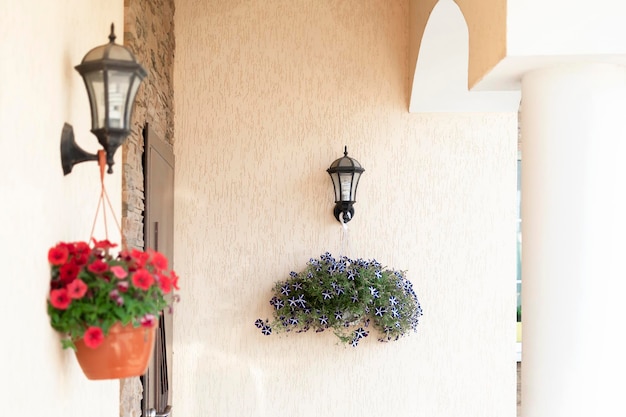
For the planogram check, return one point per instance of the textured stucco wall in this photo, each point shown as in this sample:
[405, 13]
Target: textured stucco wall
[267, 93]
[40, 43]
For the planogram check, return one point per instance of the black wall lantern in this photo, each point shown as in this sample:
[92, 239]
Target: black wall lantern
[345, 173]
[112, 76]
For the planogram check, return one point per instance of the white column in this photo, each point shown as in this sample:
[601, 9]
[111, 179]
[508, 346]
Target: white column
[574, 241]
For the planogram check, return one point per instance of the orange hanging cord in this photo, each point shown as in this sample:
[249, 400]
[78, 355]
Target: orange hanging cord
[103, 196]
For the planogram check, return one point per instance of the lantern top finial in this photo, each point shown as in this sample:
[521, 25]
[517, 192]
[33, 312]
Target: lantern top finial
[345, 164]
[112, 34]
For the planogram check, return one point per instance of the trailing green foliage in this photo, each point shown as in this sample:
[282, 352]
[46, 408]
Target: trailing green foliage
[351, 297]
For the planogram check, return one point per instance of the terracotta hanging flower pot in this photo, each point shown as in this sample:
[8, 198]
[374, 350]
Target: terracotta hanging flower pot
[93, 290]
[124, 352]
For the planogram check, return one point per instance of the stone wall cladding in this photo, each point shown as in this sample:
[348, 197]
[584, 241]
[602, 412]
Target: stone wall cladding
[149, 33]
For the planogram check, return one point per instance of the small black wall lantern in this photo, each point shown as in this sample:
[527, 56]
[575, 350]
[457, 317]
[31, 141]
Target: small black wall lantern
[112, 76]
[345, 173]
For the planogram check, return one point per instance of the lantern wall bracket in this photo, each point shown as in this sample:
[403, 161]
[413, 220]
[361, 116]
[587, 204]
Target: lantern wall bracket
[71, 153]
[344, 212]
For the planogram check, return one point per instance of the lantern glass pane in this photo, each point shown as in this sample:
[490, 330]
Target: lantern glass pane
[346, 186]
[120, 53]
[336, 186]
[130, 99]
[355, 184]
[118, 89]
[94, 81]
[95, 54]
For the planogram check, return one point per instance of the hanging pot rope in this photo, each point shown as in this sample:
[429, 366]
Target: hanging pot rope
[103, 195]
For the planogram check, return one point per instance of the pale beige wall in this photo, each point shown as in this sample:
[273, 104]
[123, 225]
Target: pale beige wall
[40, 42]
[267, 93]
[563, 27]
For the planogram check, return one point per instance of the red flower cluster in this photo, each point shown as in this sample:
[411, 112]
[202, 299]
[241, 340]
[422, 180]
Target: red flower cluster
[81, 273]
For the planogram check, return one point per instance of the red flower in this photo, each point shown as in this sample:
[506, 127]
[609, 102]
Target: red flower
[58, 255]
[82, 248]
[159, 260]
[103, 244]
[165, 283]
[59, 299]
[68, 272]
[98, 267]
[143, 279]
[80, 259]
[174, 278]
[125, 255]
[93, 337]
[77, 289]
[70, 247]
[140, 257]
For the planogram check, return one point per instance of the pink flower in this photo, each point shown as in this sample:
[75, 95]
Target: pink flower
[93, 337]
[59, 299]
[76, 289]
[143, 279]
[122, 286]
[147, 320]
[119, 272]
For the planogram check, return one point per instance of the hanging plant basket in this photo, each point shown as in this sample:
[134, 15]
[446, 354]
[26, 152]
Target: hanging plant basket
[125, 352]
[105, 304]
[351, 297]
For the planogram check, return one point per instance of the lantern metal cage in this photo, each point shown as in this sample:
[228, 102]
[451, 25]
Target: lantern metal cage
[345, 173]
[112, 77]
